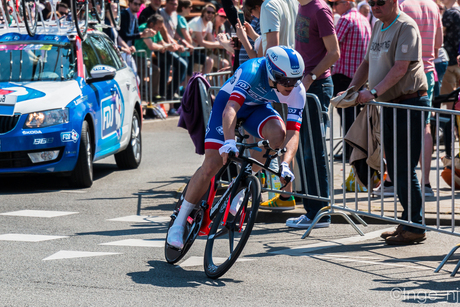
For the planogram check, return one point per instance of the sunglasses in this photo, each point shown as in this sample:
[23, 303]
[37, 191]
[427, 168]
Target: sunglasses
[210, 12]
[378, 3]
[289, 82]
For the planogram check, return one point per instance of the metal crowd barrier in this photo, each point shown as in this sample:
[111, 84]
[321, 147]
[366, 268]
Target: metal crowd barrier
[366, 204]
[164, 76]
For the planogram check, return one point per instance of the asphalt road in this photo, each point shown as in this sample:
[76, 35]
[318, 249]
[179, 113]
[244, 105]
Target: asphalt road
[66, 247]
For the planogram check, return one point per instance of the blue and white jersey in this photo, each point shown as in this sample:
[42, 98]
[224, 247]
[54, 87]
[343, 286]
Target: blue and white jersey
[249, 85]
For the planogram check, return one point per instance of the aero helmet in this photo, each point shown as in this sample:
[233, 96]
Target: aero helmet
[284, 66]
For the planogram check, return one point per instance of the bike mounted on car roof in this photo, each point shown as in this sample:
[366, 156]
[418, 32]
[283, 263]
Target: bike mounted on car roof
[28, 14]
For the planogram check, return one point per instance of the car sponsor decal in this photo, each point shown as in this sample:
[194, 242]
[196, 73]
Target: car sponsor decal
[112, 115]
[26, 132]
[71, 136]
[14, 37]
[43, 141]
[22, 93]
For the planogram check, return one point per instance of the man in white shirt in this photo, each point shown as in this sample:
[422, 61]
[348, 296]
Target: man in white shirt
[277, 23]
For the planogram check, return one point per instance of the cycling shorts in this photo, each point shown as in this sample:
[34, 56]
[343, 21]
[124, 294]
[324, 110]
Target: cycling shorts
[255, 117]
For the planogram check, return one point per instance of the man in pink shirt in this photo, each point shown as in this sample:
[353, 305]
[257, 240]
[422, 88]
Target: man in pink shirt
[428, 18]
[353, 33]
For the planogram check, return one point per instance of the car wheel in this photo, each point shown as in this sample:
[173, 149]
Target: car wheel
[82, 175]
[130, 158]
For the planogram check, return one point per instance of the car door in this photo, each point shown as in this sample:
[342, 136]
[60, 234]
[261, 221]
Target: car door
[110, 112]
[126, 81]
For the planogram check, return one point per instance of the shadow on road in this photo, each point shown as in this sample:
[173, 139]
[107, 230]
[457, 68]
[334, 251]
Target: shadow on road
[163, 274]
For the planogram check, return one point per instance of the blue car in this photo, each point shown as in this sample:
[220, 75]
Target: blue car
[65, 103]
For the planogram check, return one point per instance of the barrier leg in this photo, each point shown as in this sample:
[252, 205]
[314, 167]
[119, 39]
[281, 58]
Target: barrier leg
[443, 262]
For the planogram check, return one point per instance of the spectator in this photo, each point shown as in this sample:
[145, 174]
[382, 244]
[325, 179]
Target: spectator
[426, 15]
[201, 27]
[277, 19]
[393, 67]
[219, 57]
[63, 9]
[316, 41]
[353, 33]
[153, 8]
[365, 10]
[451, 23]
[183, 30]
[169, 14]
[252, 30]
[166, 56]
[129, 28]
[141, 9]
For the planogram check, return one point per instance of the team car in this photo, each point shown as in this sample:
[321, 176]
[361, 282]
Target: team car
[65, 103]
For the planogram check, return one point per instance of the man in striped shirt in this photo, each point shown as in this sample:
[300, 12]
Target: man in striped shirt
[353, 33]
[428, 18]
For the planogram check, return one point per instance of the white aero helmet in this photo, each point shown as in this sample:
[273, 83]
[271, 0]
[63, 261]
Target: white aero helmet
[284, 66]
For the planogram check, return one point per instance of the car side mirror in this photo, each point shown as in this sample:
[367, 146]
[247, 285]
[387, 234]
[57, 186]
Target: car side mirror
[101, 73]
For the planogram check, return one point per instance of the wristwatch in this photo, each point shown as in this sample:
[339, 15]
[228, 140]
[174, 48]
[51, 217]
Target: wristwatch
[374, 92]
[313, 76]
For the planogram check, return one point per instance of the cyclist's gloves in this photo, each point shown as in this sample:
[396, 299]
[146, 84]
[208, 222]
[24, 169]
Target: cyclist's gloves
[229, 145]
[286, 171]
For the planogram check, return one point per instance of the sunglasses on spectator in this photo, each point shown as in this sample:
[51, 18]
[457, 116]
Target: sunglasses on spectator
[224, 17]
[378, 3]
[210, 12]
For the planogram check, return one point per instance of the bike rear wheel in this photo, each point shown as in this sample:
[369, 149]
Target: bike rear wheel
[30, 12]
[226, 242]
[99, 10]
[192, 227]
[80, 17]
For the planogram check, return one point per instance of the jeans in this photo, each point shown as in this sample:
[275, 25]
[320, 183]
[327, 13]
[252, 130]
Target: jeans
[165, 60]
[440, 70]
[322, 88]
[403, 166]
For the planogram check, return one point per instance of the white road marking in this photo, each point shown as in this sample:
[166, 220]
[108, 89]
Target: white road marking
[38, 213]
[63, 254]
[379, 262]
[28, 238]
[137, 242]
[142, 219]
[299, 250]
[197, 261]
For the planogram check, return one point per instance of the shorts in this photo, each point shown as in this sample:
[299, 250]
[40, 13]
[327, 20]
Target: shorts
[255, 117]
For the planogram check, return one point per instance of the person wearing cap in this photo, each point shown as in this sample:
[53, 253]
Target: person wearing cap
[393, 67]
[353, 33]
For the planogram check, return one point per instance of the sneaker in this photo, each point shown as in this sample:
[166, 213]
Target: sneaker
[277, 204]
[304, 222]
[176, 236]
[429, 192]
[387, 191]
[173, 112]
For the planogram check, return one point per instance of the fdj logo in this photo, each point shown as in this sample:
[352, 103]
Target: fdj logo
[108, 116]
[71, 136]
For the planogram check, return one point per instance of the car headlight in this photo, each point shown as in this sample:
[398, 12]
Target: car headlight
[47, 118]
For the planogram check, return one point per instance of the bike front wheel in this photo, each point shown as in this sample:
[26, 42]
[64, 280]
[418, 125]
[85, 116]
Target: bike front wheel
[30, 13]
[226, 241]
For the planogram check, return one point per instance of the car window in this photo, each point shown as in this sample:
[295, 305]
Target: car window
[90, 58]
[36, 62]
[114, 51]
[105, 57]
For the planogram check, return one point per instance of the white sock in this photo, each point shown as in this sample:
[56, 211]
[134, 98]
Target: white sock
[184, 212]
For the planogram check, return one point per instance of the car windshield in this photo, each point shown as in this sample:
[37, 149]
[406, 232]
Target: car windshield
[36, 62]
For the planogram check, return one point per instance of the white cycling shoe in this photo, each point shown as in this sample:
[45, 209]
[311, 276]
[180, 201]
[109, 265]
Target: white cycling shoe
[176, 236]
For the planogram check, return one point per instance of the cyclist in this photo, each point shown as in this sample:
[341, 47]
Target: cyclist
[248, 94]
